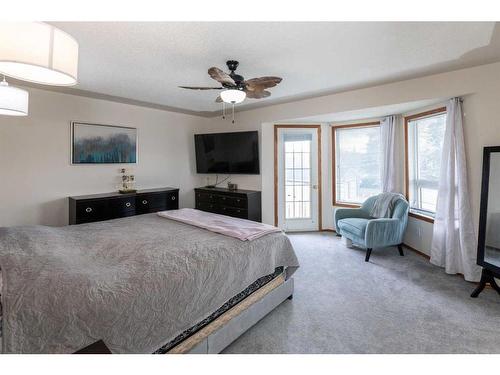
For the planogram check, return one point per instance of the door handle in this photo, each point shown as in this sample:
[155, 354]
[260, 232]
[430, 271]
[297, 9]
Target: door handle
[315, 187]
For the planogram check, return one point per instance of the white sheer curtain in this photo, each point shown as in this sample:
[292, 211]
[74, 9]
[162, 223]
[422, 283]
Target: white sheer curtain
[389, 136]
[454, 242]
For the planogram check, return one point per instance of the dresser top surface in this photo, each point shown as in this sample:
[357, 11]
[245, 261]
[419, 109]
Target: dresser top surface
[117, 194]
[224, 190]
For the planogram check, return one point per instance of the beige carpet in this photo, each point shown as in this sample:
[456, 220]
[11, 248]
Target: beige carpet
[391, 305]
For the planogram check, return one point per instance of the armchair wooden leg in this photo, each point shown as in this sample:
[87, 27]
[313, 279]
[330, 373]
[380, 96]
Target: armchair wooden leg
[400, 248]
[368, 253]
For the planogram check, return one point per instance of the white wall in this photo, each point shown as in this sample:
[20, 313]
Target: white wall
[36, 176]
[479, 85]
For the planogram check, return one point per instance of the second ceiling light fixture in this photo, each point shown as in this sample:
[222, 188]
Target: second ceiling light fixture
[34, 52]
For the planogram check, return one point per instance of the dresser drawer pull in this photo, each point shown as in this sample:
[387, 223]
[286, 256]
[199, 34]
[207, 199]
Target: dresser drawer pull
[223, 198]
[238, 211]
[238, 200]
[128, 204]
[173, 197]
[88, 210]
[144, 201]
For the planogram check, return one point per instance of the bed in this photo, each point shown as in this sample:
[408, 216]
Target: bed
[143, 284]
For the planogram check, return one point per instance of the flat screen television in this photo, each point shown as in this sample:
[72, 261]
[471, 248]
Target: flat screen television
[227, 153]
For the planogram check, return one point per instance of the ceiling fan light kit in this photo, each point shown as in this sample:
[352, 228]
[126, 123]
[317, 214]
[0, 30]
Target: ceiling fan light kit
[38, 52]
[13, 101]
[233, 96]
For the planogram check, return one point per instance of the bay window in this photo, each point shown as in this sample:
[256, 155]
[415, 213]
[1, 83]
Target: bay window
[356, 167]
[424, 143]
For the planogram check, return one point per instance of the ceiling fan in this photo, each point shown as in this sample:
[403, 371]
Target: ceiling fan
[235, 87]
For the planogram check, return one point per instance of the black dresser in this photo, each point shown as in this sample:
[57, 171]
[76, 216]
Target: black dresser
[98, 207]
[245, 204]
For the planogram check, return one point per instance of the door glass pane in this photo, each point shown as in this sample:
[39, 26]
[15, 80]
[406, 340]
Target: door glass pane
[297, 175]
[306, 193]
[306, 206]
[298, 209]
[306, 176]
[305, 158]
[297, 160]
[298, 193]
[297, 146]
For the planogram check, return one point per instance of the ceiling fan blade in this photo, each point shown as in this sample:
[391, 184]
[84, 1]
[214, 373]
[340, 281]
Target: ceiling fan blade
[261, 83]
[258, 94]
[218, 100]
[200, 88]
[221, 76]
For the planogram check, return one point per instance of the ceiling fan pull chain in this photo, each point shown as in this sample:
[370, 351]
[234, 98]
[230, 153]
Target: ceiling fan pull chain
[233, 113]
[223, 110]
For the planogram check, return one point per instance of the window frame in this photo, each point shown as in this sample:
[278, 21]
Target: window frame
[335, 202]
[407, 119]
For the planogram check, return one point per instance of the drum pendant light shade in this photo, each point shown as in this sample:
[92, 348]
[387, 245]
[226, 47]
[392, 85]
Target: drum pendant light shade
[13, 101]
[38, 52]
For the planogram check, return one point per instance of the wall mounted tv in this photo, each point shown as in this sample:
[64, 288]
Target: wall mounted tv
[227, 153]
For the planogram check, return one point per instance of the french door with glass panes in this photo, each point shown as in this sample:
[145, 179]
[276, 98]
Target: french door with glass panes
[298, 193]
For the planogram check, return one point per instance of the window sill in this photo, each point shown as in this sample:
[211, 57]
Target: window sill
[418, 216]
[347, 205]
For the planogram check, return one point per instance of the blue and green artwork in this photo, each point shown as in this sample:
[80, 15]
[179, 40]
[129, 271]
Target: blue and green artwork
[103, 144]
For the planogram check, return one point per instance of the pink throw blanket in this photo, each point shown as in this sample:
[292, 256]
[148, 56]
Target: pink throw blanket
[241, 229]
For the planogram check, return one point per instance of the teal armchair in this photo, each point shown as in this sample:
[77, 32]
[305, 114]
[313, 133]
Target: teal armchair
[368, 232]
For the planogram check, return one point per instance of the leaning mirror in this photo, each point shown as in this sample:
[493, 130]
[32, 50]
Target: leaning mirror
[488, 252]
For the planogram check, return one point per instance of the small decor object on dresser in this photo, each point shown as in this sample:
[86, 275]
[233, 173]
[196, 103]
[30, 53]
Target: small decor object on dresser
[102, 144]
[128, 181]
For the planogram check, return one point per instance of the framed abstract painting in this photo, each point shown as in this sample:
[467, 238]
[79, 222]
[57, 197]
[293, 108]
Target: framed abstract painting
[103, 144]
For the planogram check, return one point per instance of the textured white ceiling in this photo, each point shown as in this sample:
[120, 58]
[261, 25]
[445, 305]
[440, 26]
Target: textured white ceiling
[146, 61]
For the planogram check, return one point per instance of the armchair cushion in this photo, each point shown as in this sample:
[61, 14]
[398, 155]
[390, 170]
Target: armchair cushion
[355, 226]
[346, 213]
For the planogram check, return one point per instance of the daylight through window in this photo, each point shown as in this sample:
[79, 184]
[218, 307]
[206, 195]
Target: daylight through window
[357, 163]
[425, 134]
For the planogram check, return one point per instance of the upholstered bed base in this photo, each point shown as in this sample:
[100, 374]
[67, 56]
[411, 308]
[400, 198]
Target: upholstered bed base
[222, 331]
